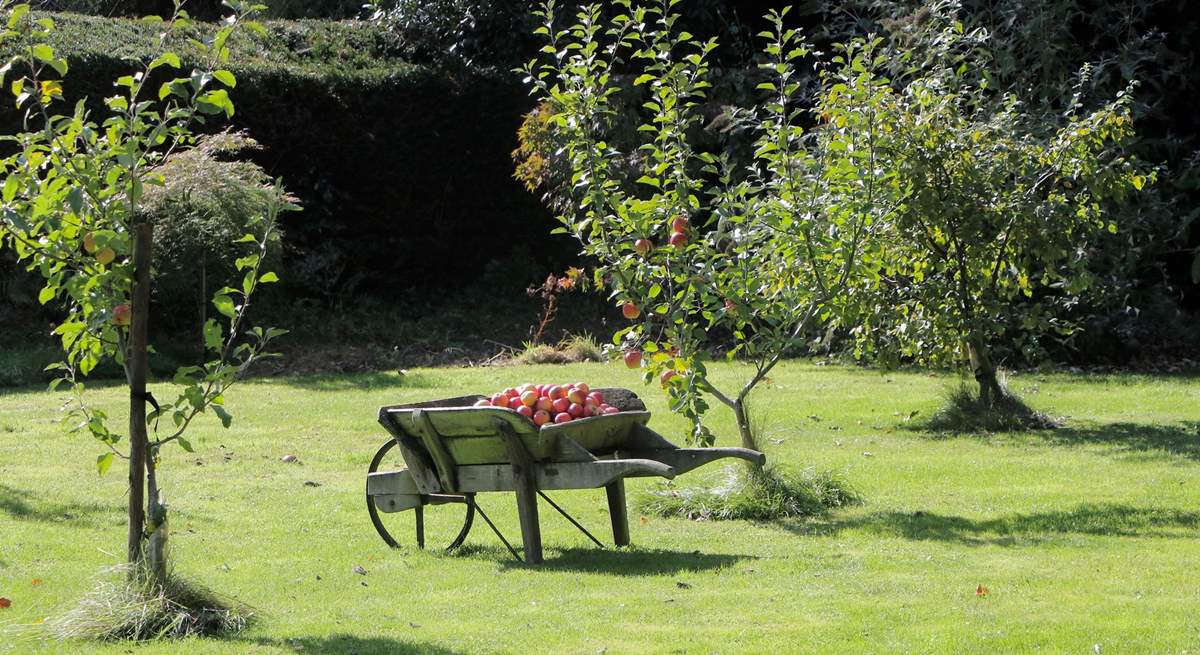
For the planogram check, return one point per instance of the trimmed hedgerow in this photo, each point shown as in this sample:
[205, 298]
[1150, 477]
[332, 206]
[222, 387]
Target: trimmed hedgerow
[403, 170]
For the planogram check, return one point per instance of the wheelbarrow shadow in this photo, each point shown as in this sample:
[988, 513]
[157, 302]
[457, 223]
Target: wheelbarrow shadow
[347, 644]
[632, 561]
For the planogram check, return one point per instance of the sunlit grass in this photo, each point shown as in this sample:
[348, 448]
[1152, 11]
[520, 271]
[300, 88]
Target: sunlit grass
[1085, 536]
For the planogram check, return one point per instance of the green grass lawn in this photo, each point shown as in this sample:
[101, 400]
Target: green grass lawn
[1087, 537]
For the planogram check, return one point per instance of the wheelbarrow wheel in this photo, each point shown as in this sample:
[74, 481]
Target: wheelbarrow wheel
[440, 518]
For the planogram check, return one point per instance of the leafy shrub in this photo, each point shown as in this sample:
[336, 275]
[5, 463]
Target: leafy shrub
[207, 201]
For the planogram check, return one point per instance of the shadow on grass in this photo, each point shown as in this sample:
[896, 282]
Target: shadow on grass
[625, 561]
[1104, 520]
[1180, 439]
[24, 505]
[358, 381]
[347, 644]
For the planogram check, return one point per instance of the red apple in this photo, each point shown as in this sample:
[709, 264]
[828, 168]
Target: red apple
[679, 240]
[590, 404]
[609, 409]
[562, 417]
[630, 310]
[633, 358]
[541, 417]
[560, 405]
[515, 403]
[122, 314]
[582, 387]
[483, 402]
[500, 400]
[89, 243]
[576, 396]
[575, 409]
[666, 376]
[544, 404]
[680, 224]
[729, 306]
[554, 392]
[597, 397]
[529, 398]
[526, 411]
[643, 246]
[510, 392]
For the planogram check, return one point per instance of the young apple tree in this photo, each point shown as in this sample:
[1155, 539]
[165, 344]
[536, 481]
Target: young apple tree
[1003, 204]
[71, 208]
[768, 253]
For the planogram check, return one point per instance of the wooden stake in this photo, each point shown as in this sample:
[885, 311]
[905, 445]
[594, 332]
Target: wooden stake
[137, 362]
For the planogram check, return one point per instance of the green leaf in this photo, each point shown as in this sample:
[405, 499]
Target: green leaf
[103, 462]
[225, 77]
[46, 294]
[185, 444]
[223, 414]
[213, 336]
[224, 304]
[243, 263]
[269, 276]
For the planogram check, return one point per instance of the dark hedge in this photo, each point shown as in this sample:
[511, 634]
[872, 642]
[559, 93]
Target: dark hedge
[404, 171]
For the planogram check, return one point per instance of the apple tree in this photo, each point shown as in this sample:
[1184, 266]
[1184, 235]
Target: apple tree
[71, 208]
[1004, 201]
[768, 252]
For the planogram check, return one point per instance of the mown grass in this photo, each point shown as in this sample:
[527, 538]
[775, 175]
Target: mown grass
[1086, 537]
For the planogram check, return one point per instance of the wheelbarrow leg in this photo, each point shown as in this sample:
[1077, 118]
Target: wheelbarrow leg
[617, 511]
[525, 480]
[531, 531]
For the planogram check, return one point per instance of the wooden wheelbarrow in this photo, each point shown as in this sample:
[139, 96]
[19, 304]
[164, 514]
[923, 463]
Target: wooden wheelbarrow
[452, 451]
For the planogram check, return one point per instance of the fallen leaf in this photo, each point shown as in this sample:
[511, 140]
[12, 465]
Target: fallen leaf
[35, 582]
[981, 590]
[288, 459]
[360, 570]
[311, 483]
[682, 585]
[5, 603]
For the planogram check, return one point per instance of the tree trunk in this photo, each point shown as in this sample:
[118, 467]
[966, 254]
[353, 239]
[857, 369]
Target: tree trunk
[137, 359]
[156, 528]
[743, 423]
[203, 302]
[990, 391]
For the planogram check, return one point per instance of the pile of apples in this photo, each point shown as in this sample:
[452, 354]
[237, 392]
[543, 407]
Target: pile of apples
[551, 403]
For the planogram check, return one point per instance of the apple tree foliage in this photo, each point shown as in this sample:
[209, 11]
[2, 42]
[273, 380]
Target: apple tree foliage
[72, 208]
[772, 251]
[1004, 200]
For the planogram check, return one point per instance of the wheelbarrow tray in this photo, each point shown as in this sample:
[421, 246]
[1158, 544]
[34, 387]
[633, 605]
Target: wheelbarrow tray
[469, 437]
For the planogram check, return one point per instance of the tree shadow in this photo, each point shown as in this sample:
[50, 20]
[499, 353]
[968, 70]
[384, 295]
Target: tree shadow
[377, 380]
[347, 644]
[631, 561]
[1181, 439]
[1110, 520]
[23, 505]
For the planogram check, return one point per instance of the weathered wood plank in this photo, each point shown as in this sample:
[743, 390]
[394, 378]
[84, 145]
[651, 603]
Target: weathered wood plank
[525, 485]
[566, 475]
[623, 399]
[391, 482]
[617, 511]
[446, 467]
[389, 503]
[683, 460]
